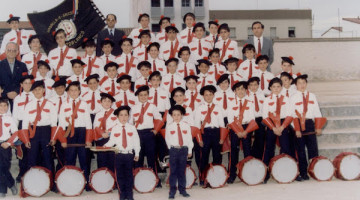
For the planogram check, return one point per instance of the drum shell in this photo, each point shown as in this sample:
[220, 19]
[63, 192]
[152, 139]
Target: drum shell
[69, 167]
[43, 169]
[312, 166]
[241, 165]
[136, 171]
[274, 159]
[337, 162]
[207, 173]
[98, 170]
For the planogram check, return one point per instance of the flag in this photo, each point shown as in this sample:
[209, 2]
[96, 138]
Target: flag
[80, 19]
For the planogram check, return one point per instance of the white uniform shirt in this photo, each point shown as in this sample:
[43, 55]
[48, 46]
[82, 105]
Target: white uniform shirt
[234, 111]
[190, 68]
[209, 80]
[211, 38]
[165, 49]
[188, 117]
[48, 113]
[163, 101]
[119, 98]
[178, 81]
[244, 69]
[106, 59]
[105, 85]
[194, 47]
[110, 122]
[289, 92]
[97, 67]
[48, 85]
[121, 61]
[197, 101]
[139, 52]
[55, 99]
[28, 59]
[219, 68]
[87, 97]
[160, 66]
[217, 119]
[260, 100]
[268, 76]
[81, 79]
[134, 34]
[236, 77]
[83, 116]
[232, 50]
[296, 102]
[140, 81]
[9, 127]
[219, 99]
[19, 105]
[270, 106]
[172, 138]
[184, 35]
[150, 114]
[66, 68]
[11, 36]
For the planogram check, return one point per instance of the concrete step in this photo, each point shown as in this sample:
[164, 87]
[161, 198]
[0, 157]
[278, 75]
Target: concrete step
[332, 150]
[341, 122]
[339, 136]
[340, 110]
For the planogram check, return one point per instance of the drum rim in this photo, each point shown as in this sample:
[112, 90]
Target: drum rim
[71, 167]
[248, 158]
[227, 175]
[312, 166]
[137, 170]
[274, 159]
[40, 168]
[195, 177]
[337, 162]
[97, 170]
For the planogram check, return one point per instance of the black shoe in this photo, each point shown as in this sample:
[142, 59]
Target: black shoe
[185, 194]
[201, 183]
[14, 190]
[159, 185]
[54, 189]
[305, 177]
[18, 179]
[299, 178]
[171, 196]
[267, 177]
[230, 180]
[195, 183]
[87, 188]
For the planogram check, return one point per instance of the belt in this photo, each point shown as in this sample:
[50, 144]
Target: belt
[126, 152]
[211, 127]
[178, 147]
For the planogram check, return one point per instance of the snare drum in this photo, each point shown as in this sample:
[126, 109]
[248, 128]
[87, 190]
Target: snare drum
[321, 169]
[252, 171]
[37, 181]
[347, 166]
[216, 176]
[190, 177]
[145, 180]
[283, 168]
[102, 180]
[70, 181]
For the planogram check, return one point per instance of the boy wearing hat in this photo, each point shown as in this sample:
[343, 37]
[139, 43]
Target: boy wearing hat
[20, 37]
[144, 21]
[288, 84]
[125, 138]
[265, 76]
[227, 46]
[78, 73]
[170, 48]
[209, 120]
[179, 141]
[213, 37]
[224, 96]
[199, 46]
[126, 61]
[108, 83]
[44, 69]
[144, 68]
[93, 64]
[161, 36]
[156, 64]
[217, 69]
[92, 95]
[242, 122]
[248, 67]
[31, 58]
[287, 64]
[107, 46]
[8, 128]
[124, 97]
[205, 78]
[192, 97]
[186, 66]
[61, 56]
[172, 79]
[140, 50]
[186, 35]
[232, 67]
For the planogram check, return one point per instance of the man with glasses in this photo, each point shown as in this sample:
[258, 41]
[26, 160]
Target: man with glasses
[112, 33]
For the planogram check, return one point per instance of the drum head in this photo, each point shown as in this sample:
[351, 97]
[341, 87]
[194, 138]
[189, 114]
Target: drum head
[323, 170]
[253, 172]
[284, 170]
[145, 181]
[102, 181]
[190, 177]
[70, 182]
[36, 182]
[350, 167]
[216, 176]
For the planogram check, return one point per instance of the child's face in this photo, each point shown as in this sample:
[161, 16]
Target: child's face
[249, 54]
[112, 72]
[107, 49]
[224, 34]
[126, 47]
[145, 39]
[179, 98]
[35, 45]
[90, 50]
[231, 67]
[164, 24]
[263, 65]
[155, 81]
[14, 25]
[286, 81]
[213, 29]
[143, 96]
[301, 85]
[43, 70]
[203, 68]
[38, 92]
[240, 92]
[224, 85]
[177, 116]
[199, 32]
[191, 84]
[60, 90]
[144, 71]
[189, 21]
[171, 35]
[77, 68]
[154, 52]
[125, 84]
[253, 86]
[106, 103]
[276, 88]
[208, 96]
[60, 39]
[93, 84]
[26, 85]
[3, 108]
[185, 56]
[74, 92]
[172, 67]
[286, 67]
[215, 58]
[144, 22]
[123, 116]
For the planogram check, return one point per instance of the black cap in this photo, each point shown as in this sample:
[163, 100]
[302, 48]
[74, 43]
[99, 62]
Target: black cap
[32, 37]
[55, 33]
[88, 43]
[261, 57]
[231, 60]
[169, 28]
[122, 77]
[155, 73]
[143, 15]
[164, 18]
[210, 88]
[142, 88]
[107, 41]
[239, 84]
[223, 26]
[60, 82]
[106, 95]
[178, 89]
[286, 75]
[78, 61]
[12, 18]
[191, 77]
[37, 84]
[215, 50]
[73, 83]
[177, 107]
[23, 78]
[205, 61]
[288, 60]
[171, 60]
[274, 80]
[182, 49]
[92, 76]
[126, 39]
[154, 44]
[43, 63]
[144, 32]
[223, 78]
[144, 63]
[197, 25]
[303, 76]
[215, 22]
[254, 78]
[119, 109]
[111, 64]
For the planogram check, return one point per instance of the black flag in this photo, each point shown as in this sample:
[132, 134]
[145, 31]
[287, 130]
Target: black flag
[79, 18]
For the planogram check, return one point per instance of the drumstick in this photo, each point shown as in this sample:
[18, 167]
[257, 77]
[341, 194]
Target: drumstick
[77, 145]
[97, 149]
[309, 133]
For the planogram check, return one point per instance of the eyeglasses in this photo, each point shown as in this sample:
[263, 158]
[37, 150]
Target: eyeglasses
[59, 37]
[12, 50]
[110, 20]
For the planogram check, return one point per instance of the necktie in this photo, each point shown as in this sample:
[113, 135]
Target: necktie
[216, 71]
[107, 59]
[78, 79]
[305, 103]
[225, 101]
[223, 50]
[171, 50]
[232, 79]
[60, 102]
[185, 71]
[124, 141]
[73, 106]
[287, 93]
[103, 121]
[166, 38]
[142, 112]
[146, 82]
[127, 69]
[61, 57]
[155, 97]
[93, 101]
[125, 99]
[181, 142]
[200, 49]
[209, 113]
[35, 67]
[240, 107]
[250, 70]
[262, 82]
[278, 106]
[89, 68]
[189, 36]
[112, 87]
[203, 82]
[146, 54]
[214, 38]
[26, 99]
[192, 101]
[38, 111]
[259, 47]
[111, 33]
[256, 103]
[1, 126]
[18, 35]
[154, 66]
[171, 84]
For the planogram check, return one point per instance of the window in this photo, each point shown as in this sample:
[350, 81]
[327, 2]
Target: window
[232, 33]
[155, 3]
[185, 3]
[250, 33]
[292, 32]
[155, 28]
[272, 32]
[169, 3]
[199, 3]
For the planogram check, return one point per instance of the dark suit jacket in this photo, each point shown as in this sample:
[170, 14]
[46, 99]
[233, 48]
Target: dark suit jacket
[267, 48]
[116, 38]
[11, 81]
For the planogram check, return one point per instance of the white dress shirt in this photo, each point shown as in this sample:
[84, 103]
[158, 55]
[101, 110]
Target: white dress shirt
[172, 137]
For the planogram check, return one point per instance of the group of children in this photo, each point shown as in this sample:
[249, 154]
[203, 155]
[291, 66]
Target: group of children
[177, 94]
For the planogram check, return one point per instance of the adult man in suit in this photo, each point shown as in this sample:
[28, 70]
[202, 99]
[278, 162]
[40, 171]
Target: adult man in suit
[112, 33]
[261, 43]
[11, 72]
